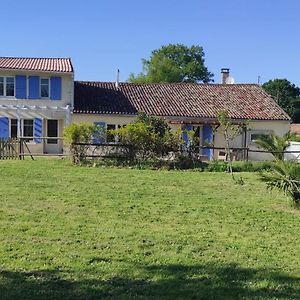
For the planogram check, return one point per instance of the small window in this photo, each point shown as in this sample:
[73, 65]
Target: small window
[13, 128]
[45, 87]
[1, 86]
[10, 86]
[28, 130]
[254, 136]
[110, 138]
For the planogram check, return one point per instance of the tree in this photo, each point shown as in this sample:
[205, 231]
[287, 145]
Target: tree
[230, 131]
[276, 145]
[174, 63]
[286, 94]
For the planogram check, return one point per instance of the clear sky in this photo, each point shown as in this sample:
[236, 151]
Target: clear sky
[251, 37]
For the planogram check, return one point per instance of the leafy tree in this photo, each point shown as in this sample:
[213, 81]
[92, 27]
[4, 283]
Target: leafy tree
[276, 145]
[286, 95]
[174, 63]
[284, 176]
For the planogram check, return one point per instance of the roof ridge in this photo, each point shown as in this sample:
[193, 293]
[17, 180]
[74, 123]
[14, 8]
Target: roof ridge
[167, 83]
[28, 57]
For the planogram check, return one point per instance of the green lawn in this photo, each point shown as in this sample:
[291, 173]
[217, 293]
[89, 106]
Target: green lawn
[96, 233]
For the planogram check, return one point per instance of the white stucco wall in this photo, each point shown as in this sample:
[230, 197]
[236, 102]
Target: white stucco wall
[67, 89]
[109, 119]
[276, 127]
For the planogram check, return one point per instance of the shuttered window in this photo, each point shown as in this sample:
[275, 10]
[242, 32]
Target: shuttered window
[45, 87]
[7, 86]
[10, 86]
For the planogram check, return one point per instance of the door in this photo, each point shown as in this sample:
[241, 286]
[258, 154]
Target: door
[196, 139]
[52, 143]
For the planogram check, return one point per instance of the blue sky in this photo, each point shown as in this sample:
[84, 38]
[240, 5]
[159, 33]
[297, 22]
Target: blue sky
[251, 37]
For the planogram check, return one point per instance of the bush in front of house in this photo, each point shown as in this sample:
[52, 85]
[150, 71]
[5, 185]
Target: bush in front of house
[149, 138]
[76, 136]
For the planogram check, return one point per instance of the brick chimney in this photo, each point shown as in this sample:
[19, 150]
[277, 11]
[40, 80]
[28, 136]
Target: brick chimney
[224, 75]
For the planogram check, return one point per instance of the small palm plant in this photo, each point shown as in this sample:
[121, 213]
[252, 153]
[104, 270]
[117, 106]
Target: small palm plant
[284, 176]
[276, 145]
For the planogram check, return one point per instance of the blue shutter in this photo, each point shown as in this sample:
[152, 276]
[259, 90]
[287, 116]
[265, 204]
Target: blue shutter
[101, 138]
[55, 88]
[208, 138]
[34, 87]
[21, 87]
[4, 128]
[186, 128]
[37, 130]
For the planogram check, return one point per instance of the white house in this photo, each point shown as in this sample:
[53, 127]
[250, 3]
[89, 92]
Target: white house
[36, 100]
[38, 97]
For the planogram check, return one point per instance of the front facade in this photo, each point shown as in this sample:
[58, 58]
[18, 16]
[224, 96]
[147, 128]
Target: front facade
[39, 97]
[36, 99]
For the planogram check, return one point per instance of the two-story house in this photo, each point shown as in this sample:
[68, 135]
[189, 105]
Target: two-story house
[36, 99]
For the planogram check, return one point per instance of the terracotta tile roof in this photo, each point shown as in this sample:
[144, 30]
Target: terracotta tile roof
[241, 101]
[295, 128]
[63, 65]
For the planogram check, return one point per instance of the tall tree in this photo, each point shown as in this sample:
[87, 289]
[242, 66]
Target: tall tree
[286, 94]
[174, 63]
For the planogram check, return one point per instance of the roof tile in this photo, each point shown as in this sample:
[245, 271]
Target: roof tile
[241, 101]
[63, 65]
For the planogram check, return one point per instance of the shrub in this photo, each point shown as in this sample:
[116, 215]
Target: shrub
[75, 135]
[284, 176]
[274, 144]
[148, 138]
[252, 166]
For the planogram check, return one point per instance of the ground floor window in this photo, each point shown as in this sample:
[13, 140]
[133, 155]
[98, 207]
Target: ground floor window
[26, 129]
[110, 137]
[256, 134]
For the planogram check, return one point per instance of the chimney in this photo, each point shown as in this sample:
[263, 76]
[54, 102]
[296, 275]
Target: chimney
[117, 79]
[224, 75]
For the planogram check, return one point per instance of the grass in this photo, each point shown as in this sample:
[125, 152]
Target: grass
[104, 233]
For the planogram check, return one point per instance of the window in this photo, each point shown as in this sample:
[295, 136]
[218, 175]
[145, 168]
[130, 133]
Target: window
[45, 87]
[1, 86]
[7, 86]
[52, 131]
[28, 130]
[10, 86]
[13, 128]
[257, 134]
[110, 138]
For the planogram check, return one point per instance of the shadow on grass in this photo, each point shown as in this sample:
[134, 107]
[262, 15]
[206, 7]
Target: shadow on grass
[159, 282]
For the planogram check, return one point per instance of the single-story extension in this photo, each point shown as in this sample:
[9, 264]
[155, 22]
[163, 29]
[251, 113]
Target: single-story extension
[186, 106]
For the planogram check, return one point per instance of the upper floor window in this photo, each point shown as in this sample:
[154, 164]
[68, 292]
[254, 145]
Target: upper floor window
[7, 86]
[45, 87]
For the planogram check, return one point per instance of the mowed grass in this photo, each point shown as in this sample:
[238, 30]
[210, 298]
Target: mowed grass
[98, 233]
